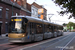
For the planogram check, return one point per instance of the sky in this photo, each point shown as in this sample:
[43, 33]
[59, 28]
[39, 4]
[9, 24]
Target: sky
[52, 9]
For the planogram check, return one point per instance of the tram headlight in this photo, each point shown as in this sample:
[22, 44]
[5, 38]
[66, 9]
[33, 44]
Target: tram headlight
[23, 35]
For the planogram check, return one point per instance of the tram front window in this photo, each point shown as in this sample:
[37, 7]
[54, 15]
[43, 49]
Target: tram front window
[17, 27]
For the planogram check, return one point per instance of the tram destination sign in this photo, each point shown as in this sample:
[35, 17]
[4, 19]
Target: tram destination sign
[16, 19]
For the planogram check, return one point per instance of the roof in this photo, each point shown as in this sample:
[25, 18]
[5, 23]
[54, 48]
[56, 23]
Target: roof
[11, 3]
[27, 17]
[37, 20]
[31, 19]
[15, 4]
[36, 5]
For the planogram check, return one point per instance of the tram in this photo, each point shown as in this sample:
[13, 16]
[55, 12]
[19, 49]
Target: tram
[28, 29]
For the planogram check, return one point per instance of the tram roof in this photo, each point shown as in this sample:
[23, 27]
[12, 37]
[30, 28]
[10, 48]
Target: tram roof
[28, 17]
[31, 19]
[37, 20]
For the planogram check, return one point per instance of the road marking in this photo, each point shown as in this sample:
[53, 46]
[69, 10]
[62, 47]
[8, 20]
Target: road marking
[43, 42]
[4, 44]
[68, 43]
[56, 42]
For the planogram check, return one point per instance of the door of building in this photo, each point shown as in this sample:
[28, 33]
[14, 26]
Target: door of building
[0, 30]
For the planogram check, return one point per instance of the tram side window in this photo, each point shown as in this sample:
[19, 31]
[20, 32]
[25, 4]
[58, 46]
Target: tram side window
[55, 28]
[32, 27]
[45, 28]
[58, 28]
[61, 28]
[50, 28]
[39, 28]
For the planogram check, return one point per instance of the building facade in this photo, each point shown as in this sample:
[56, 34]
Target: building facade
[34, 11]
[45, 14]
[42, 12]
[8, 9]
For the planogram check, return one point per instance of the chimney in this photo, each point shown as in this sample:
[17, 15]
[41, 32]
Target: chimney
[24, 3]
[19, 2]
[12, 0]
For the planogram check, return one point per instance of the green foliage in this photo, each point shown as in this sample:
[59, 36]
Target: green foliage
[70, 24]
[64, 24]
[69, 5]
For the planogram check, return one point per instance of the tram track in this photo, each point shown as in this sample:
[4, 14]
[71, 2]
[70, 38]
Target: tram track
[58, 42]
[44, 44]
[68, 43]
[11, 46]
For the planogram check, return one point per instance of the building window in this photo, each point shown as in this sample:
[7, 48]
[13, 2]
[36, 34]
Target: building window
[6, 28]
[7, 14]
[33, 11]
[0, 13]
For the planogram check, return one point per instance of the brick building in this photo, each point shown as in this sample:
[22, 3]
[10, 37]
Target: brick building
[28, 6]
[9, 8]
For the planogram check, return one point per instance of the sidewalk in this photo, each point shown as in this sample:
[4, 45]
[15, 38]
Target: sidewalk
[3, 37]
[66, 33]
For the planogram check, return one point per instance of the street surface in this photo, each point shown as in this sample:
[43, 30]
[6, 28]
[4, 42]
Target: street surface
[3, 40]
[65, 42]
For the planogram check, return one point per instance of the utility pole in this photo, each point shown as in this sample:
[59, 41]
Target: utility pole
[12, 5]
[49, 17]
[12, 1]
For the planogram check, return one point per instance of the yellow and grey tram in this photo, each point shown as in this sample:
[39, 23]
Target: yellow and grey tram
[27, 29]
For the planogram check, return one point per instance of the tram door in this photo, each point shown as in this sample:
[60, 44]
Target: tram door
[32, 31]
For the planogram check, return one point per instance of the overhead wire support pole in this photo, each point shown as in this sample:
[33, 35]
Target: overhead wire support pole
[12, 9]
[50, 16]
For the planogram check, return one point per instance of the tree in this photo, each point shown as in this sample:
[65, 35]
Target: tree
[70, 24]
[64, 24]
[69, 5]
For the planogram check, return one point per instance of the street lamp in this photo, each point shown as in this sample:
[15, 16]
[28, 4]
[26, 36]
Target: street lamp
[50, 16]
[12, 9]
[12, 6]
